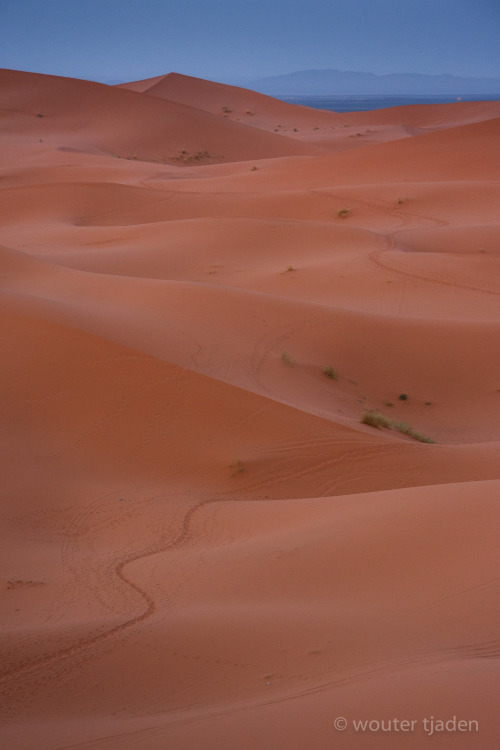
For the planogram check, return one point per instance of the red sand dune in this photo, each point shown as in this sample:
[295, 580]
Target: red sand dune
[233, 103]
[330, 131]
[203, 545]
[98, 119]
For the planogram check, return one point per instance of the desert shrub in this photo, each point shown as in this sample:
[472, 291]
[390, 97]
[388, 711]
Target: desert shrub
[375, 419]
[286, 358]
[237, 467]
[405, 429]
[330, 373]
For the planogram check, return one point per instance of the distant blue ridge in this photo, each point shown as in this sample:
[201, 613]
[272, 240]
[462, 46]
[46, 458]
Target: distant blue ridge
[359, 103]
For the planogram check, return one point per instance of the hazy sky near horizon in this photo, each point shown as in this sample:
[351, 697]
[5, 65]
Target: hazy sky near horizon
[240, 40]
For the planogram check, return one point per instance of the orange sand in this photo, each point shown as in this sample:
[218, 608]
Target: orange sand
[203, 546]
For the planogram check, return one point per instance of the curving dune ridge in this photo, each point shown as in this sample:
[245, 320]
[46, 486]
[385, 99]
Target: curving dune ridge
[203, 291]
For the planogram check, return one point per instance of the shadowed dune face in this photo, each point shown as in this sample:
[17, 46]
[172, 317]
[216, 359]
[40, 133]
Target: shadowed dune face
[203, 291]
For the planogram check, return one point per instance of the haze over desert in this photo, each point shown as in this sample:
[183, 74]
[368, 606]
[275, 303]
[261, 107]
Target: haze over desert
[209, 297]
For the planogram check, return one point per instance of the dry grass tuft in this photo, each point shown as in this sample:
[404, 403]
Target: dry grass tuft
[331, 373]
[286, 358]
[375, 419]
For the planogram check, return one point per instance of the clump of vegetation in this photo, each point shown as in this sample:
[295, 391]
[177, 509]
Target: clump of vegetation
[249, 112]
[343, 213]
[40, 114]
[295, 130]
[291, 268]
[375, 419]
[405, 429]
[237, 467]
[286, 358]
[403, 397]
[185, 156]
[226, 110]
[254, 168]
[331, 373]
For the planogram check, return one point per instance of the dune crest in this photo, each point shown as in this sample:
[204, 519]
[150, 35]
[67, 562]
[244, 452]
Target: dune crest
[250, 419]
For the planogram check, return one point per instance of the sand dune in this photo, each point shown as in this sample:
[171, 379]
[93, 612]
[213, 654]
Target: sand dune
[429, 116]
[98, 119]
[203, 545]
[233, 103]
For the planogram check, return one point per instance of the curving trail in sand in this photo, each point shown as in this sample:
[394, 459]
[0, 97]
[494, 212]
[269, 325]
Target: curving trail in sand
[203, 545]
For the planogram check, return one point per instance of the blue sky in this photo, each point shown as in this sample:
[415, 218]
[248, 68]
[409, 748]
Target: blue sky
[240, 40]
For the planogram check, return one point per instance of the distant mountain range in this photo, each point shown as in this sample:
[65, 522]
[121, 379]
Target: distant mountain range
[338, 82]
